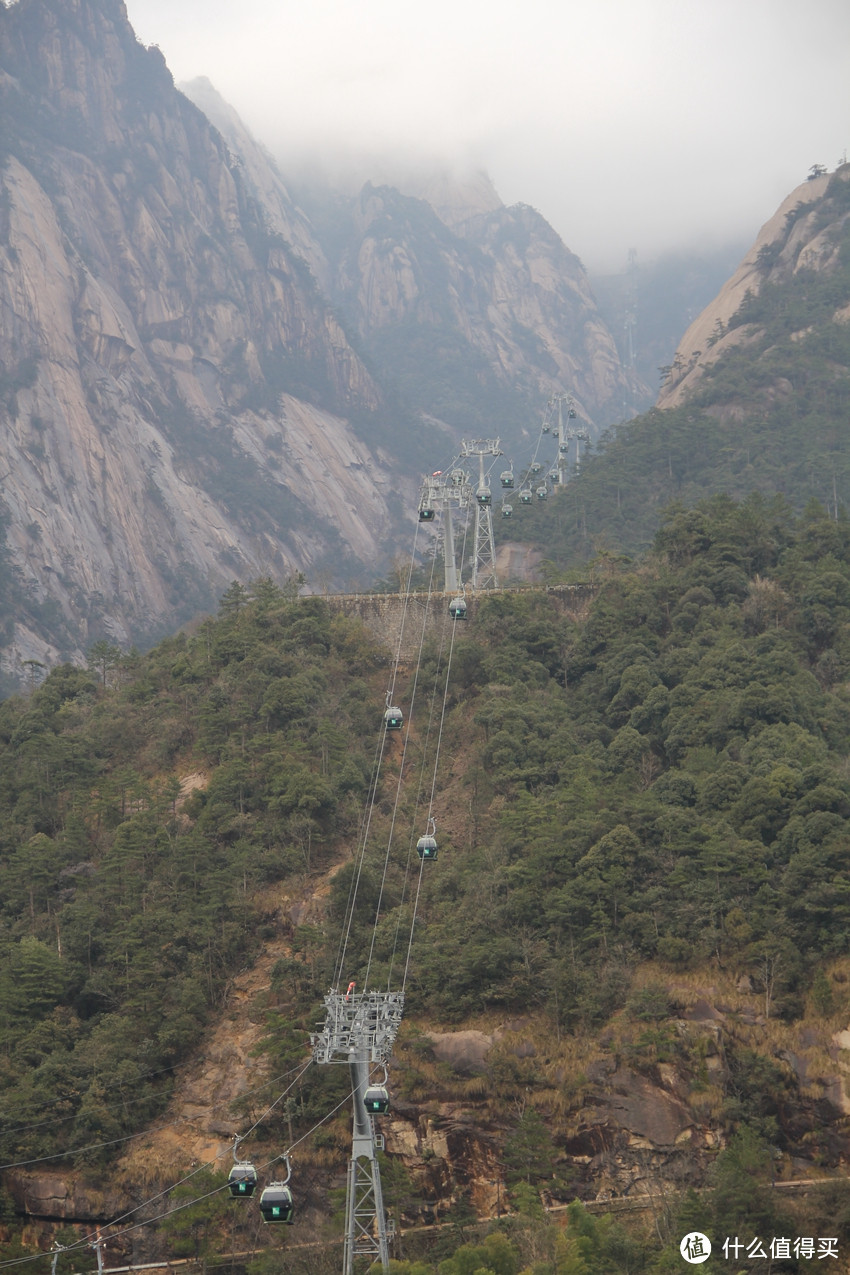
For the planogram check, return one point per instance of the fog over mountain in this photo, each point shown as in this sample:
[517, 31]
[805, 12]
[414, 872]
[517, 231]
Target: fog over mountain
[653, 126]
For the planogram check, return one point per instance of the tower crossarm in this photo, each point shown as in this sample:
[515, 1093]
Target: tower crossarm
[356, 1021]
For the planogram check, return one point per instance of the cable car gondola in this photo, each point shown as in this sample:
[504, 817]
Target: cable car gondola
[507, 478]
[393, 718]
[242, 1179]
[542, 492]
[535, 467]
[525, 496]
[276, 1203]
[507, 511]
[426, 847]
[427, 514]
[376, 1100]
[457, 608]
[483, 496]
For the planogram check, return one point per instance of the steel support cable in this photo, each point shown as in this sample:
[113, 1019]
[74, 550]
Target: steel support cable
[86, 1241]
[430, 807]
[93, 1146]
[359, 858]
[434, 777]
[211, 1163]
[417, 803]
[400, 780]
[366, 822]
[406, 595]
[421, 773]
[46, 1106]
[277, 1100]
[217, 1190]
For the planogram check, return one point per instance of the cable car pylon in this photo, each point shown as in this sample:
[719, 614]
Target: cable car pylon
[484, 552]
[360, 1029]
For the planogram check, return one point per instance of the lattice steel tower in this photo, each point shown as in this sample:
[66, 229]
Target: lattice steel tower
[484, 553]
[360, 1029]
[568, 433]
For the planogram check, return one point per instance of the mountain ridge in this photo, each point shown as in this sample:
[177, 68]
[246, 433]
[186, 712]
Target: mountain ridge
[189, 392]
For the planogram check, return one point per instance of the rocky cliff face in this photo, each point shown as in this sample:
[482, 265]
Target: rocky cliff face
[175, 389]
[498, 286]
[803, 234]
[180, 403]
[477, 311]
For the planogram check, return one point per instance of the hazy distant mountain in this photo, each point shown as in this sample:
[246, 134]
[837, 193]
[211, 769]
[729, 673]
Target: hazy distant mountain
[473, 312]
[649, 304]
[204, 377]
[805, 235]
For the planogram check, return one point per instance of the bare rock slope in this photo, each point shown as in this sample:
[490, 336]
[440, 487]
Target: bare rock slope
[793, 239]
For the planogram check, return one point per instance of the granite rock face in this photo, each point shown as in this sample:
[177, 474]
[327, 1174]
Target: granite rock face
[198, 380]
[803, 234]
[176, 392]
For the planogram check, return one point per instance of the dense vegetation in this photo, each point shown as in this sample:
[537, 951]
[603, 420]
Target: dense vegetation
[124, 907]
[665, 780]
[661, 781]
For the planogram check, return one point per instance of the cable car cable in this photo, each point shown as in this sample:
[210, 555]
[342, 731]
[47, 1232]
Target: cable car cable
[86, 1241]
[363, 839]
[399, 783]
[416, 805]
[432, 702]
[173, 1124]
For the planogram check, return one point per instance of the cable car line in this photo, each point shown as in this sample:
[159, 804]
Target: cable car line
[418, 800]
[430, 809]
[373, 788]
[19, 1164]
[86, 1241]
[400, 781]
[432, 702]
[94, 1146]
[209, 1164]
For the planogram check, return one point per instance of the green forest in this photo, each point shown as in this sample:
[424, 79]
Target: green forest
[653, 786]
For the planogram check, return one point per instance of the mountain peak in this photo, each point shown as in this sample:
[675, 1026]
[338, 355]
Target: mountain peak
[790, 240]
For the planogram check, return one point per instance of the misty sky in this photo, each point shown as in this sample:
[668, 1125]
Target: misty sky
[654, 125]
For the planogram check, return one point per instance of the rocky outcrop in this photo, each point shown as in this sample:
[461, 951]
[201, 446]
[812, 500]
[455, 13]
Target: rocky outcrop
[175, 391]
[430, 266]
[795, 238]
